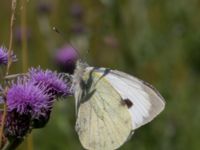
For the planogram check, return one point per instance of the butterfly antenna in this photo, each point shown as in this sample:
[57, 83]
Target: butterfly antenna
[70, 43]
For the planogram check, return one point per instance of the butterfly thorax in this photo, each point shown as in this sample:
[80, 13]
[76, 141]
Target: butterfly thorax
[79, 71]
[77, 78]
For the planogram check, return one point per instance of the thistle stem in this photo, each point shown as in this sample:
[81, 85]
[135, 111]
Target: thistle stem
[12, 19]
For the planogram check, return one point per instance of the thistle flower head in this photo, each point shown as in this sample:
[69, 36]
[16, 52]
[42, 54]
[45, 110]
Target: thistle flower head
[26, 97]
[54, 81]
[4, 56]
[66, 58]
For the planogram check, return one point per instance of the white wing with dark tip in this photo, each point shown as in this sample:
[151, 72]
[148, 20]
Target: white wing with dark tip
[143, 100]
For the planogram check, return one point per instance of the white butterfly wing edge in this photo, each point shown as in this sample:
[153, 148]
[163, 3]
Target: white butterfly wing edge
[146, 100]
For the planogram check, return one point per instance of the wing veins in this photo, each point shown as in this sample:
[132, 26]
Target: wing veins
[117, 126]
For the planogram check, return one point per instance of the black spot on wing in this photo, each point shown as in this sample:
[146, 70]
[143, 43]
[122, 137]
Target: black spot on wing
[127, 102]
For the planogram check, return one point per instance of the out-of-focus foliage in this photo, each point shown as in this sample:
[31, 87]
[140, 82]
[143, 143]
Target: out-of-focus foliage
[157, 41]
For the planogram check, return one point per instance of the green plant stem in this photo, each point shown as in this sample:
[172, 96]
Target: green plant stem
[24, 36]
[12, 19]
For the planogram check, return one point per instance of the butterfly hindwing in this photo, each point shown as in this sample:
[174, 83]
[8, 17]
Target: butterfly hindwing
[103, 122]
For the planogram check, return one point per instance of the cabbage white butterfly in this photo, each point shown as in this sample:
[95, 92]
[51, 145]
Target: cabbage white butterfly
[110, 105]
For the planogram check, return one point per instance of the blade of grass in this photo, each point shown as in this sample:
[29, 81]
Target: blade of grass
[25, 54]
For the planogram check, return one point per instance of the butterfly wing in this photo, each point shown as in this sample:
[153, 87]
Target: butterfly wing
[146, 102]
[103, 122]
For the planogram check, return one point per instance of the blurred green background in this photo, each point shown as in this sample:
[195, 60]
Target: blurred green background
[157, 41]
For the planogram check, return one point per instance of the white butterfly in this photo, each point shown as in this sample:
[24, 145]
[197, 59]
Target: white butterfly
[110, 105]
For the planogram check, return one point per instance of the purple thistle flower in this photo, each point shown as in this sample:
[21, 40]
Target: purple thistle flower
[4, 56]
[66, 58]
[54, 82]
[26, 97]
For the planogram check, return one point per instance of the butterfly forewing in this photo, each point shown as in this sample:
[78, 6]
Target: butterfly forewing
[146, 101]
[103, 123]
